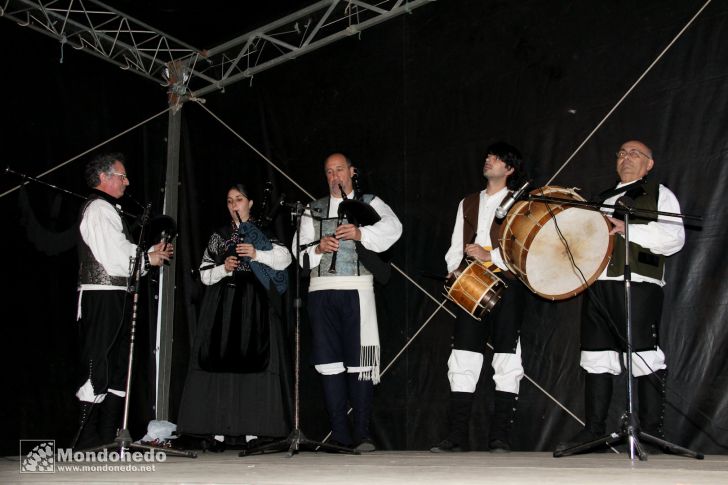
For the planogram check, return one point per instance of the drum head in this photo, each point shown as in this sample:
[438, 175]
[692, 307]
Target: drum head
[549, 270]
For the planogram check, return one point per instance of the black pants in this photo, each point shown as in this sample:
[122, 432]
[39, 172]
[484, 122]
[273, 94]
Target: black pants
[335, 324]
[502, 324]
[104, 339]
[604, 320]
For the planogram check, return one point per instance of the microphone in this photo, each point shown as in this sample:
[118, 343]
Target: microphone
[508, 202]
[625, 202]
[166, 237]
[622, 206]
[296, 205]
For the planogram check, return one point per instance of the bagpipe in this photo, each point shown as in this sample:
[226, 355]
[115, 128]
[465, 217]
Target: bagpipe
[252, 232]
[361, 214]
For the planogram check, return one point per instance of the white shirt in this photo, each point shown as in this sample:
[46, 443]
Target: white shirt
[102, 230]
[486, 213]
[378, 237]
[665, 236]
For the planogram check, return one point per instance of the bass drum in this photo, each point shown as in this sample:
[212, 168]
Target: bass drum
[535, 251]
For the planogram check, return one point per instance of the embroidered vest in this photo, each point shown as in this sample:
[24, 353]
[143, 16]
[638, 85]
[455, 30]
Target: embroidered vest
[641, 260]
[347, 260]
[90, 271]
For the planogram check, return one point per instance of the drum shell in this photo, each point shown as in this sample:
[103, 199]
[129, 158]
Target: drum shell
[526, 220]
[476, 289]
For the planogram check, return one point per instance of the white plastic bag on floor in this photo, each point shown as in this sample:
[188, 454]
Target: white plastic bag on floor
[159, 431]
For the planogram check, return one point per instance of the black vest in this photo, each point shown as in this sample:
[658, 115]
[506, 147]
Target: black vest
[90, 271]
[641, 260]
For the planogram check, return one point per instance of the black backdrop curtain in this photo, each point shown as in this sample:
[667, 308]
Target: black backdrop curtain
[414, 103]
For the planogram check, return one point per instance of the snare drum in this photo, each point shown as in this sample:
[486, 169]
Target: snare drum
[533, 248]
[474, 288]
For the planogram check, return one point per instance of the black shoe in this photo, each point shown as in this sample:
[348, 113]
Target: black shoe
[499, 446]
[213, 446]
[446, 446]
[366, 445]
[88, 434]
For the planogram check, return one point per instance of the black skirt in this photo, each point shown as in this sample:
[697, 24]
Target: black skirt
[239, 380]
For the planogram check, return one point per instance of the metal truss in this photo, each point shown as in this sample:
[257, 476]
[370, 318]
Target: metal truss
[137, 47]
[100, 30]
[103, 31]
[287, 38]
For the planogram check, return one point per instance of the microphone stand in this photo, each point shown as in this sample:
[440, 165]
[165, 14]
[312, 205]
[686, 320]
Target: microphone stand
[629, 427]
[296, 439]
[598, 205]
[29, 178]
[123, 441]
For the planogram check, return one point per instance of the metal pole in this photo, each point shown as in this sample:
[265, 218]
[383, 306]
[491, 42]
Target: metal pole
[165, 316]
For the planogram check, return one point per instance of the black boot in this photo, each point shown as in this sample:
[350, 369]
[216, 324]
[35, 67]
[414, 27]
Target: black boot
[503, 417]
[110, 417]
[335, 399]
[88, 423]
[598, 394]
[461, 406]
[361, 396]
[651, 394]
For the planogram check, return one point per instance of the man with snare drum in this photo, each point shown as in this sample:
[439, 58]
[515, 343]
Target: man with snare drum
[475, 236]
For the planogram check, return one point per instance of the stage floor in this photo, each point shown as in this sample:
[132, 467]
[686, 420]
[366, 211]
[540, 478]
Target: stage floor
[389, 467]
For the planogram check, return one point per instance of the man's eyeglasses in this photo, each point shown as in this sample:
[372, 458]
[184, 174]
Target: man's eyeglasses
[633, 154]
[122, 175]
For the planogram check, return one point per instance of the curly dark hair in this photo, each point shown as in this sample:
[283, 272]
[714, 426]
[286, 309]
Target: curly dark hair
[100, 164]
[513, 159]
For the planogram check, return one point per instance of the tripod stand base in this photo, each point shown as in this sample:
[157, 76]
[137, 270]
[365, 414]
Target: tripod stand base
[293, 444]
[123, 442]
[610, 439]
[670, 447]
